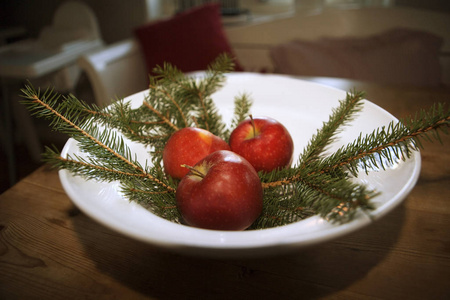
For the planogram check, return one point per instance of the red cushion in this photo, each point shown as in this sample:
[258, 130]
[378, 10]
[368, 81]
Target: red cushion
[190, 40]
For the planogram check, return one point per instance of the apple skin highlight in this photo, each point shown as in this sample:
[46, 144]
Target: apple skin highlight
[264, 142]
[228, 196]
[186, 147]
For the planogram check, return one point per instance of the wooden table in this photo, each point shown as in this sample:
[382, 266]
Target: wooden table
[50, 250]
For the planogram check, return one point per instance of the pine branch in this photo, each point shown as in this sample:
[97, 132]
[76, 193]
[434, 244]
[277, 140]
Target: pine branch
[327, 179]
[174, 102]
[338, 118]
[386, 146]
[109, 158]
[308, 190]
[88, 168]
[383, 147]
[161, 116]
[242, 105]
[215, 72]
[185, 101]
[105, 145]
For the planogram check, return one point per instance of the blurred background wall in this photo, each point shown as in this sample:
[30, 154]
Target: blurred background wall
[117, 18]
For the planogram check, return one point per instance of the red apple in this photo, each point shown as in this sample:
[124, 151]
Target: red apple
[186, 147]
[221, 192]
[264, 142]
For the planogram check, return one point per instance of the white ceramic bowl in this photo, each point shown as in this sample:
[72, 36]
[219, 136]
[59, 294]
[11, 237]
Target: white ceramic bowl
[302, 107]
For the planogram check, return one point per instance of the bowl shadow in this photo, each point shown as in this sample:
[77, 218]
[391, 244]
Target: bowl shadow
[307, 273]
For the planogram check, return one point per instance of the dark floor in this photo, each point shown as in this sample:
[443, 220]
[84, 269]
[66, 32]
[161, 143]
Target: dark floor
[23, 160]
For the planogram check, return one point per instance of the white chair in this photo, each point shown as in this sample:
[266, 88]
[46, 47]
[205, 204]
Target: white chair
[73, 21]
[74, 25]
[115, 71]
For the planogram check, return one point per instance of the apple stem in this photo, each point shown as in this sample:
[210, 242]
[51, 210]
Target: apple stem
[253, 125]
[194, 171]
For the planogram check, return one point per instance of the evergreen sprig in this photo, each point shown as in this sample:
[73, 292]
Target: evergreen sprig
[109, 157]
[316, 190]
[318, 183]
[242, 105]
[339, 117]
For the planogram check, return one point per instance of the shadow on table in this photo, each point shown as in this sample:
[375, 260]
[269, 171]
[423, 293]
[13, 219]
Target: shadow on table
[306, 274]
